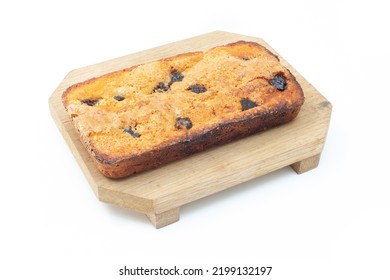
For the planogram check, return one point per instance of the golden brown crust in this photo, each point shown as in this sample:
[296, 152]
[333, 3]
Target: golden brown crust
[117, 155]
[224, 133]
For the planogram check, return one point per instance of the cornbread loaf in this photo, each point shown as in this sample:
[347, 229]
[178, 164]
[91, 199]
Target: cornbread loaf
[147, 115]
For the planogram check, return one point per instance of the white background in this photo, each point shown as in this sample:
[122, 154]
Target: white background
[329, 223]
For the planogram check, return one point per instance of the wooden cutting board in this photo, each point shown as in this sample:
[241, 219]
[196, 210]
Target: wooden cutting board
[160, 193]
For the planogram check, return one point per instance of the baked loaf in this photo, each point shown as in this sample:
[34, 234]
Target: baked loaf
[151, 114]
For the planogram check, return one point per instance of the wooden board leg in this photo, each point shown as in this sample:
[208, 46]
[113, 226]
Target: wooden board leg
[163, 219]
[306, 164]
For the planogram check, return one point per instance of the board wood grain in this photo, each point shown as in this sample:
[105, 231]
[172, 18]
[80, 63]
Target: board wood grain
[159, 193]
